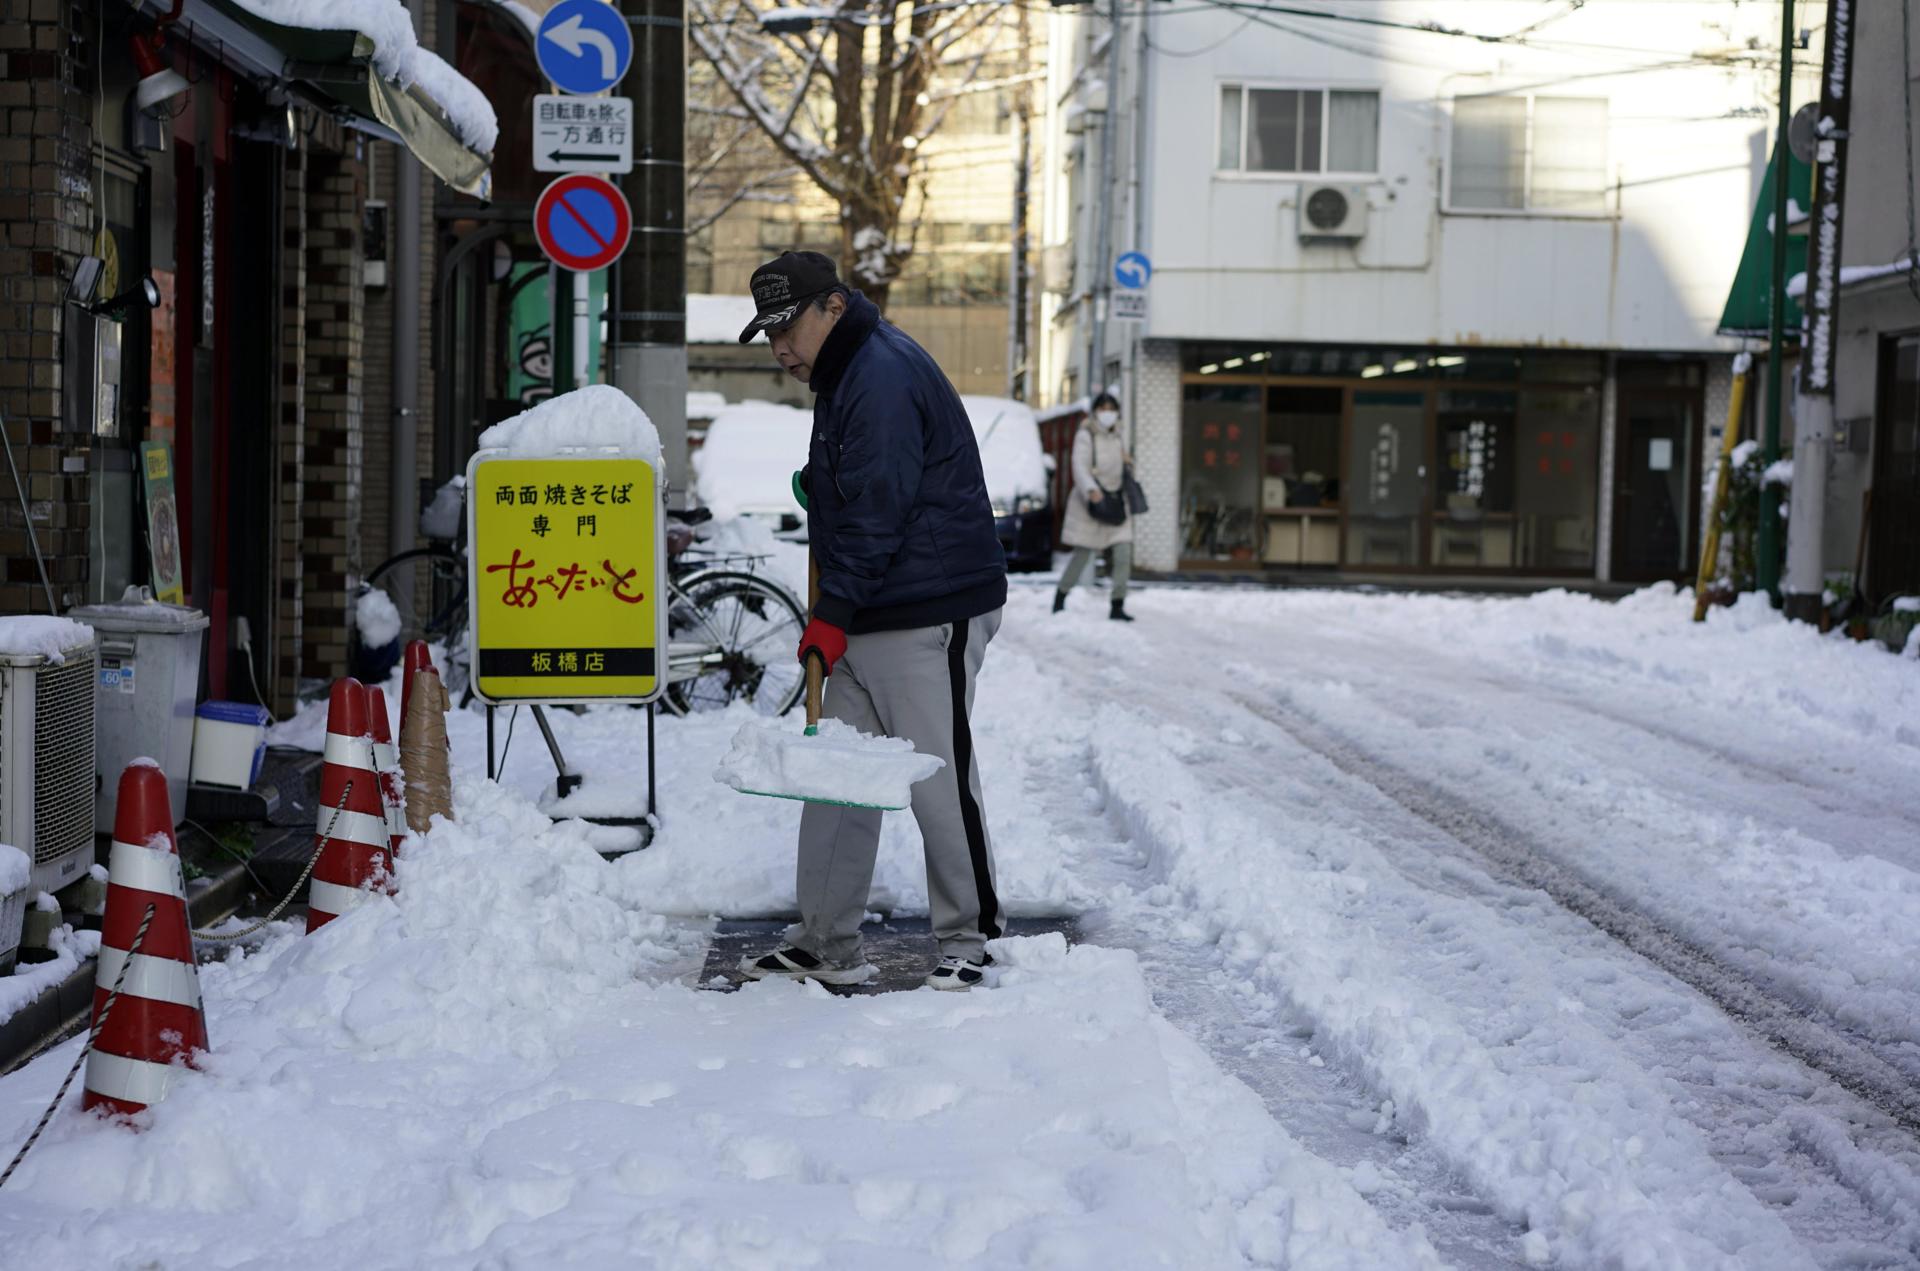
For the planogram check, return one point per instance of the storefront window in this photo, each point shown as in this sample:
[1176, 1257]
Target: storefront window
[1300, 480]
[1382, 489]
[1557, 479]
[1473, 480]
[1221, 452]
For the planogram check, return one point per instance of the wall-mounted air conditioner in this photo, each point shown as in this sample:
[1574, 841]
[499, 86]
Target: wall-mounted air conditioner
[1332, 211]
[46, 761]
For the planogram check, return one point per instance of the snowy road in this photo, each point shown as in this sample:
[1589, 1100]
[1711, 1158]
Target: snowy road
[1419, 931]
[1592, 817]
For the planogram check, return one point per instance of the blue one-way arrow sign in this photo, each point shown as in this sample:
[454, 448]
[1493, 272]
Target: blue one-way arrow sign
[584, 46]
[1132, 270]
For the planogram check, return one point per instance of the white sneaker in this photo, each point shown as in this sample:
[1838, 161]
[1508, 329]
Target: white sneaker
[789, 963]
[959, 974]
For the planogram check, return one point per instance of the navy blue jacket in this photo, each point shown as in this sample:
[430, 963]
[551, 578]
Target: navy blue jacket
[897, 510]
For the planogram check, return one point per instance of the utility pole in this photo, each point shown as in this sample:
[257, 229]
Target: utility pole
[403, 469]
[1019, 385]
[1767, 547]
[1813, 403]
[1102, 292]
[648, 314]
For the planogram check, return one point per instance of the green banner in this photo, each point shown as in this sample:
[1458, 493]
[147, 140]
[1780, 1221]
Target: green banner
[530, 332]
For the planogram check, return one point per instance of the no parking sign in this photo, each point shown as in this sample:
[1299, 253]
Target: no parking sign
[582, 222]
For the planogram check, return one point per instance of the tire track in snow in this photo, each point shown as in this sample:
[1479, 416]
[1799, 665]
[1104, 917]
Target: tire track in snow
[1850, 1062]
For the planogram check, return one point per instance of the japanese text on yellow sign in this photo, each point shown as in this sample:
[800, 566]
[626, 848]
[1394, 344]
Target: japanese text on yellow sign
[566, 571]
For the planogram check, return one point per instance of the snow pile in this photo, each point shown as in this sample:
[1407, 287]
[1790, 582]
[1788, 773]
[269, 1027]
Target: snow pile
[1779, 472]
[839, 765]
[377, 618]
[29, 980]
[747, 463]
[36, 636]
[598, 417]
[16, 869]
[715, 319]
[543, 1091]
[1010, 451]
[441, 517]
[704, 404]
[397, 56]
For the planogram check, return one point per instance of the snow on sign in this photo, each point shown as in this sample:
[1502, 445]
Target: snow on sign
[582, 222]
[584, 46]
[582, 134]
[568, 569]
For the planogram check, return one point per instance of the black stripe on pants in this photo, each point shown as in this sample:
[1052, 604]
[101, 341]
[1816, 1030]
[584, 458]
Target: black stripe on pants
[963, 773]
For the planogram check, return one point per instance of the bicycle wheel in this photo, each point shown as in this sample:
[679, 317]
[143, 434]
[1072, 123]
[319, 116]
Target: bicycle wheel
[731, 638]
[440, 605]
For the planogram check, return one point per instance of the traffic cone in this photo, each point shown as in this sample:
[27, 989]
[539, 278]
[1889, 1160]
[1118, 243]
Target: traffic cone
[356, 841]
[386, 758]
[157, 1017]
[418, 657]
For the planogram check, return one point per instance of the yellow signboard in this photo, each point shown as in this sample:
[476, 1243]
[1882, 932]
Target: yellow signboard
[567, 574]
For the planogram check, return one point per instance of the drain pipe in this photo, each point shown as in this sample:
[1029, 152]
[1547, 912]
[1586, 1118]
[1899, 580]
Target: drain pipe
[403, 501]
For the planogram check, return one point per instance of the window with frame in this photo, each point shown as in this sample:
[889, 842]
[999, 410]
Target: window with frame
[1298, 130]
[1529, 154]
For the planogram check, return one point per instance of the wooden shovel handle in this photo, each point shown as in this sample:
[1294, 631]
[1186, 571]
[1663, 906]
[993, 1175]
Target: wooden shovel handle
[816, 665]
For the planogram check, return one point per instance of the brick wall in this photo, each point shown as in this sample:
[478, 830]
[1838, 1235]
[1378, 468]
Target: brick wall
[332, 482]
[45, 212]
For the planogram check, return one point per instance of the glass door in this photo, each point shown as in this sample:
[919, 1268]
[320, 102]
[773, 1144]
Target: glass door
[1653, 506]
[1386, 478]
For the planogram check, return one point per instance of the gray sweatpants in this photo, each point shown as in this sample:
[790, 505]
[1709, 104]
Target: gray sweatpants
[916, 684]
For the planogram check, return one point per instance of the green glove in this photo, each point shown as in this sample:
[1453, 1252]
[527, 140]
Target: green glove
[800, 487]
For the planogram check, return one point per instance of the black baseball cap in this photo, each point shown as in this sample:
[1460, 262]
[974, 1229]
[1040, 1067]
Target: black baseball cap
[785, 283]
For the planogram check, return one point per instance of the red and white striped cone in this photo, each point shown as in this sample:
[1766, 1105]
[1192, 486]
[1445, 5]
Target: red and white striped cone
[386, 757]
[157, 1018]
[356, 839]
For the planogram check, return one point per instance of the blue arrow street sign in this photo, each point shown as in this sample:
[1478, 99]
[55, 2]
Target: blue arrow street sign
[584, 46]
[1132, 270]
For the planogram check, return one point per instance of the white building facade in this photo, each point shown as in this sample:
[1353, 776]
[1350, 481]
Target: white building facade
[1421, 301]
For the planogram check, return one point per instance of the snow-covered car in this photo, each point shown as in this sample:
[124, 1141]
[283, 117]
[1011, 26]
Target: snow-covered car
[745, 467]
[1017, 479]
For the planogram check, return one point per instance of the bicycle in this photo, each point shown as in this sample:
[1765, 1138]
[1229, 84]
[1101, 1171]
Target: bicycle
[730, 630]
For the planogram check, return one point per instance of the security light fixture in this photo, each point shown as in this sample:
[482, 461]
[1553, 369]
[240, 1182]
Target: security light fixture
[145, 290]
[159, 83]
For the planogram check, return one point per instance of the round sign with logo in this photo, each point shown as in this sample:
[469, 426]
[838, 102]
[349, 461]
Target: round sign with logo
[582, 222]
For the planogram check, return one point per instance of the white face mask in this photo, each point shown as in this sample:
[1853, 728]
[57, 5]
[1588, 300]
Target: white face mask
[1106, 418]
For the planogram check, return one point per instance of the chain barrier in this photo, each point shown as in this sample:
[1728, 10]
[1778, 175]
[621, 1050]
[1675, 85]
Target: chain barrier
[139, 937]
[287, 899]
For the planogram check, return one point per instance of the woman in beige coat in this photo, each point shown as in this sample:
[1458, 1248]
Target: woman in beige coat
[1099, 461]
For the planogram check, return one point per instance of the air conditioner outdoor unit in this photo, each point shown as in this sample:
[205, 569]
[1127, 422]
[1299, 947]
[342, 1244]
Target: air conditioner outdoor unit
[1333, 211]
[46, 761]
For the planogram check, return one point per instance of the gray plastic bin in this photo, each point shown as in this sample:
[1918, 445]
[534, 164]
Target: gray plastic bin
[147, 682]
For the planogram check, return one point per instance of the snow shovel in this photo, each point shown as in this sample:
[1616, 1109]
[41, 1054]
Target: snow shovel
[833, 762]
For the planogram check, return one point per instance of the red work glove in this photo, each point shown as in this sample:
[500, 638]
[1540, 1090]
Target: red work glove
[829, 641]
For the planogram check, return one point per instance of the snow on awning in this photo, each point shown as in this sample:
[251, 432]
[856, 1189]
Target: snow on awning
[361, 56]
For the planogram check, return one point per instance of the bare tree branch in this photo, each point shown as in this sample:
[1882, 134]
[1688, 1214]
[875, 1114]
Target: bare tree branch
[749, 191]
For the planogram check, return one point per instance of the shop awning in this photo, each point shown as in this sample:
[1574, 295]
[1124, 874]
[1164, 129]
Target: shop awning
[438, 116]
[1750, 300]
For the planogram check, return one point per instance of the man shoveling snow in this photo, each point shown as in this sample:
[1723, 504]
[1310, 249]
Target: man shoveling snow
[912, 583]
